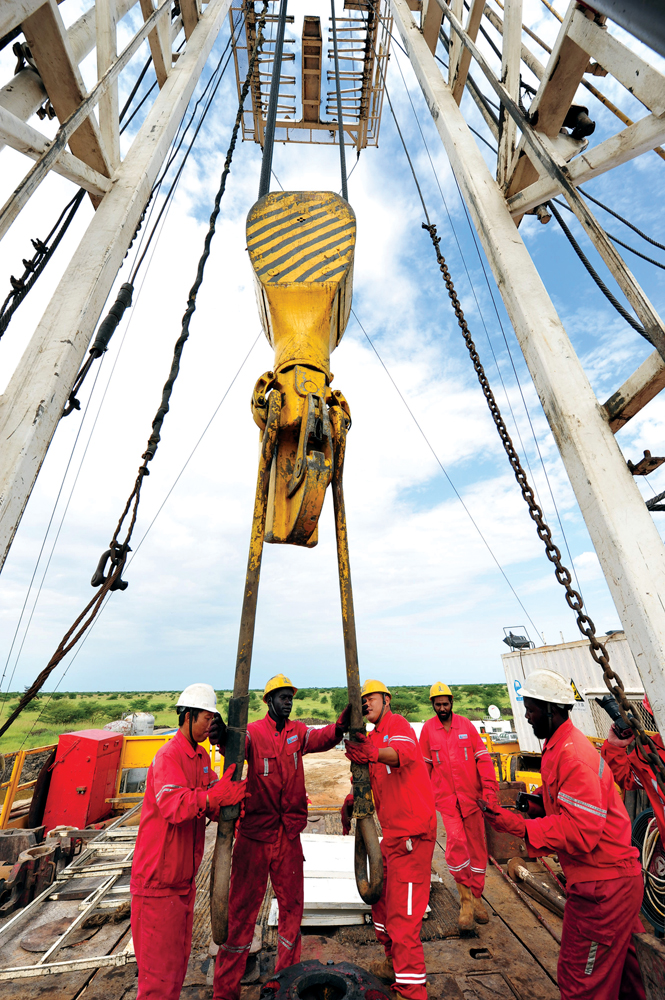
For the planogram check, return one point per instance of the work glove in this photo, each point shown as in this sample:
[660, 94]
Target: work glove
[344, 721]
[619, 737]
[505, 820]
[217, 733]
[346, 813]
[227, 792]
[361, 751]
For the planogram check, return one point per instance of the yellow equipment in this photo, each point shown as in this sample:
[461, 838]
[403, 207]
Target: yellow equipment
[278, 681]
[372, 687]
[439, 689]
[301, 246]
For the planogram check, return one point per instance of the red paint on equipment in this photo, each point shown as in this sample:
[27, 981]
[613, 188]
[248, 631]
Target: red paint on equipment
[83, 777]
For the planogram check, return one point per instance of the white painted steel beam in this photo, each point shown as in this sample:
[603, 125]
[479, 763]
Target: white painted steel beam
[32, 405]
[628, 545]
[511, 52]
[13, 12]
[638, 389]
[29, 140]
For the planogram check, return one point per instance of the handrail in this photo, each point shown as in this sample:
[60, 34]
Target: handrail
[13, 785]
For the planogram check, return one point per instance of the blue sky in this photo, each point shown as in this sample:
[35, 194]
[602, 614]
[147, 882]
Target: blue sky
[430, 601]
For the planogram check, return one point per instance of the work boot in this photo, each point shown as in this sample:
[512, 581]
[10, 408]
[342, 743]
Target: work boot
[480, 911]
[383, 970]
[465, 921]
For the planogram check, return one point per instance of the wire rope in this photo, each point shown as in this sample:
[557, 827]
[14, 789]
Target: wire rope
[269, 134]
[505, 339]
[443, 469]
[340, 116]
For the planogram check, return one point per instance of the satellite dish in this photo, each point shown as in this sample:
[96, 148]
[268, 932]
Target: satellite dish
[494, 712]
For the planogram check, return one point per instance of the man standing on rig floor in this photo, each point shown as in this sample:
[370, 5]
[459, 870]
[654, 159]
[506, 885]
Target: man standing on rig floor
[181, 790]
[405, 806]
[461, 770]
[583, 819]
[268, 838]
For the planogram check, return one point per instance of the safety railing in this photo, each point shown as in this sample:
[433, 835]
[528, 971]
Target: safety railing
[14, 784]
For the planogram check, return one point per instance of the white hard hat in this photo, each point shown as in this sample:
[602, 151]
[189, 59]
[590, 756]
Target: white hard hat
[198, 696]
[548, 685]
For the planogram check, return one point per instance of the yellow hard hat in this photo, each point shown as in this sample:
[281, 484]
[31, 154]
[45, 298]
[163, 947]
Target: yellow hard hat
[438, 689]
[278, 681]
[372, 687]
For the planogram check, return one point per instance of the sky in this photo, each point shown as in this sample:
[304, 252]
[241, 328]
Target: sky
[444, 555]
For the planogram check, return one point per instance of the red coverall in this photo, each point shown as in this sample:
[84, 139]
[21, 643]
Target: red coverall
[587, 825]
[405, 807]
[461, 771]
[169, 848]
[630, 771]
[268, 844]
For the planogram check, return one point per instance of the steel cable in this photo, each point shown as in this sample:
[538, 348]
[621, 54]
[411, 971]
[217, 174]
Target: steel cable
[119, 549]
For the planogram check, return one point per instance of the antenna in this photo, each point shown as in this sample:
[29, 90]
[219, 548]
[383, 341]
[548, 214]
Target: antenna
[494, 713]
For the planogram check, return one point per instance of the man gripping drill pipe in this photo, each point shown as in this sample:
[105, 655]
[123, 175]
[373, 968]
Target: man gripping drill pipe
[181, 790]
[268, 838]
[583, 819]
[461, 770]
[405, 806]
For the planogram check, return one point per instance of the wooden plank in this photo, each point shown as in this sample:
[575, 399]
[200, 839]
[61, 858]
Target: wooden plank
[46, 35]
[14, 12]
[631, 142]
[637, 76]
[563, 75]
[510, 77]
[431, 23]
[107, 54]
[462, 69]
[160, 42]
[190, 15]
[32, 404]
[29, 140]
[638, 389]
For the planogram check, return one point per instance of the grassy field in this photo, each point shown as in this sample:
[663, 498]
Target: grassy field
[51, 714]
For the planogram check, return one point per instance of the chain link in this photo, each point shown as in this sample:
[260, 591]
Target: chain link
[597, 649]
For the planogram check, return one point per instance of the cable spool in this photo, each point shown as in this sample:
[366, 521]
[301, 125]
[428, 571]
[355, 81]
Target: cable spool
[646, 837]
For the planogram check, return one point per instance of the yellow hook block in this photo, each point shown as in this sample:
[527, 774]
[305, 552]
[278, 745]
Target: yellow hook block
[301, 246]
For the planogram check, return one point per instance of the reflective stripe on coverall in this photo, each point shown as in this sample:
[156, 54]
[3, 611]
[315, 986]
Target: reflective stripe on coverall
[268, 843]
[169, 848]
[405, 807]
[587, 825]
[462, 771]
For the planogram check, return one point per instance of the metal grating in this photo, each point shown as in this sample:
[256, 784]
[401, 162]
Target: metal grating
[603, 722]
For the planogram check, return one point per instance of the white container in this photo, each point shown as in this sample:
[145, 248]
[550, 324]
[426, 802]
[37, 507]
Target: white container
[142, 723]
[574, 661]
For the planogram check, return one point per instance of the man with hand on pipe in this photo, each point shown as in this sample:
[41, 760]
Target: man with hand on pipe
[405, 806]
[268, 838]
[583, 819]
[181, 790]
[461, 771]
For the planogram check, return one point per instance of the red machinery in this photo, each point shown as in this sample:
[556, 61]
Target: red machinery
[83, 778]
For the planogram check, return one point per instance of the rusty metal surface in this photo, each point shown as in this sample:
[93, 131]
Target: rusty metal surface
[651, 956]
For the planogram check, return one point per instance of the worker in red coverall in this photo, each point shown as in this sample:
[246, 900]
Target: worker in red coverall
[268, 839]
[629, 766]
[583, 819]
[461, 771]
[181, 790]
[404, 803]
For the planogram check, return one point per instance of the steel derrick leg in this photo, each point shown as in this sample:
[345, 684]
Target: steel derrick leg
[220, 875]
[367, 839]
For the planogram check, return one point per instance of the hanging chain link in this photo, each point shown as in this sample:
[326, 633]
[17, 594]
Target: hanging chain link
[597, 649]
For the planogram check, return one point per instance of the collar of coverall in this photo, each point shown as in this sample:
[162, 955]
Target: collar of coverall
[387, 712]
[454, 721]
[288, 725]
[189, 749]
[560, 734]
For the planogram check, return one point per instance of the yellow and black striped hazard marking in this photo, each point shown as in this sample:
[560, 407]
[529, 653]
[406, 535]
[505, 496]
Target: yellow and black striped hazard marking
[301, 236]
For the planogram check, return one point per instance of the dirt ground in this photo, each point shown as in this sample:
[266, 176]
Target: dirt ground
[327, 777]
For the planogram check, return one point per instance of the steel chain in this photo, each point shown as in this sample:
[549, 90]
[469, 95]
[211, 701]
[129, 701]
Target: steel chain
[573, 598]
